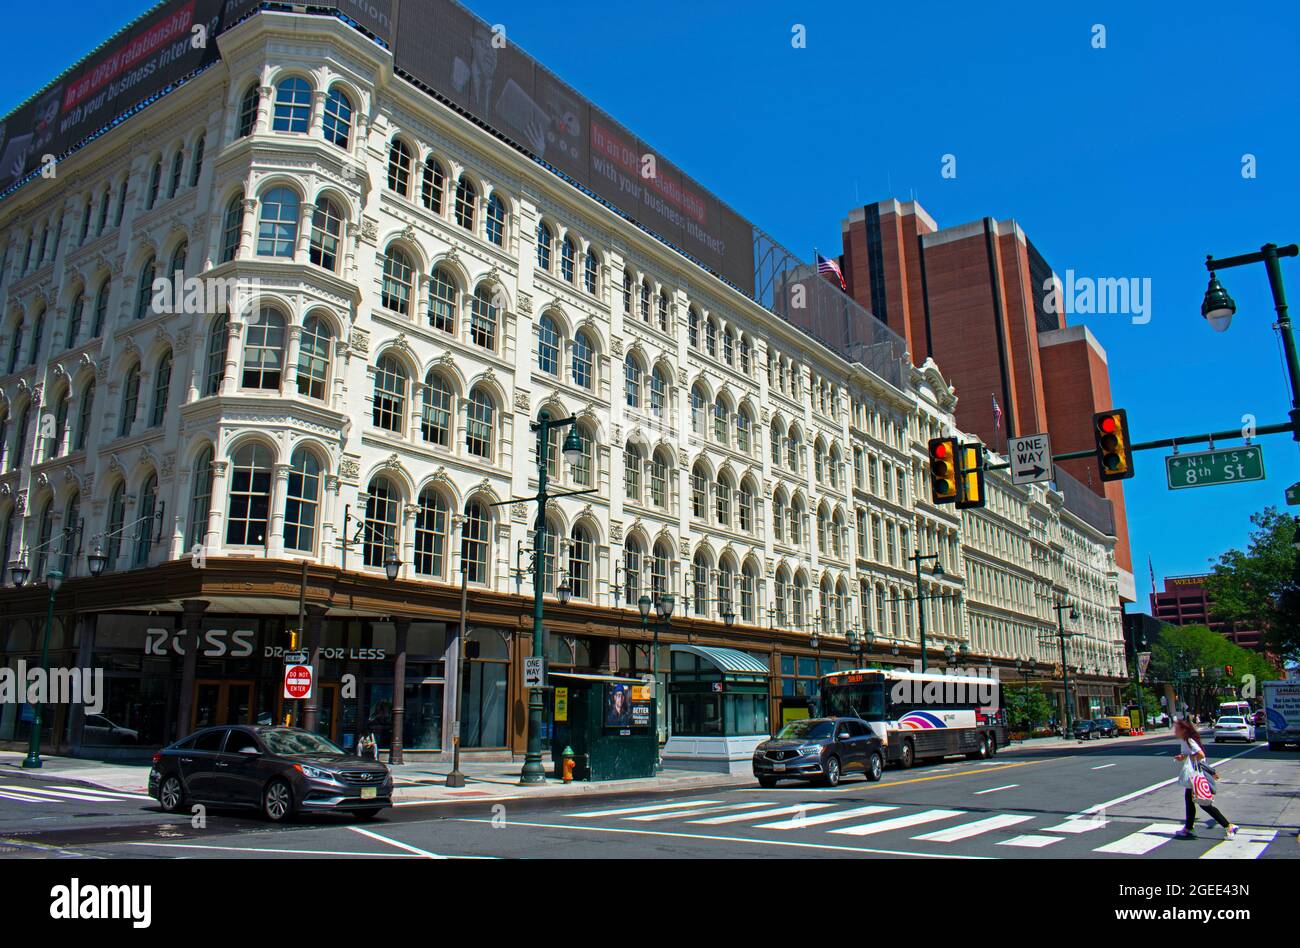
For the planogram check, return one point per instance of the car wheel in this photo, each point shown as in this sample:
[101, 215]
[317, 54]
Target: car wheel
[171, 795]
[875, 766]
[277, 801]
[767, 783]
[908, 757]
[831, 778]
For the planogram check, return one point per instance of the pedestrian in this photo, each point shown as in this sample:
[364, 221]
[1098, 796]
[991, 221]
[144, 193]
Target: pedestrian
[1192, 757]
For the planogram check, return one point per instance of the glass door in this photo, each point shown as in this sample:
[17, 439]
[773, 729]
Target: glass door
[222, 702]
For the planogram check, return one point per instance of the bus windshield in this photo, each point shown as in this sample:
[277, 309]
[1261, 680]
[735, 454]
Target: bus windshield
[865, 700]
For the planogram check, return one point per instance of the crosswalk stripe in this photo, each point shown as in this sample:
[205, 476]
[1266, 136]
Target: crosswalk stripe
[1031, 841]
[757, 814]
[64, 795]
[967, 830]
[678, 814]
[644, 809]
[23, 798]
[821, 818]
[1143, 841]
[1247, 844]
[103, 793]
[897, 822]
[1077, 825]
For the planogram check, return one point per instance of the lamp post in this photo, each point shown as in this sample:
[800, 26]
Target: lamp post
[916, 559]
[1218, 309]
[663, 607]
[53, 579]
[1065, 668]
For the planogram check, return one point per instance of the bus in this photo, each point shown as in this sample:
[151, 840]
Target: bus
[921, 716]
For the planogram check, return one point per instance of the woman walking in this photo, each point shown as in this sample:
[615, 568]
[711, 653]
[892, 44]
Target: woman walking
[1190, 739]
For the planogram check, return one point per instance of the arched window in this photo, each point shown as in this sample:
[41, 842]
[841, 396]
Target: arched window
[248, 106]
[698, 401]
[314, 358]
[162, 383]
[745, 507]
[196, 531]
[71, 540]
[744, 425]
[495, 221]
[748, 585]
[778, 516]
[264, 350]
[380, 536]
[794, 521]
[584, 470]
[475, 543]
[728, 346]
[43, 535]
[58, 441]
[632, 472]
[711, 336]
[744, 355]
[657, 479]
[178, 169]
[302, 502]
[84, 415]
[431, 533]
[38, 336]
[658, 392]
[130, 401]
[632, 553]
[792, 450]
[4, 449]
[645, 301]
[583, 360]
[326, 232]
[16, 343]
[75, 314]
[399, 168]
[101, 309]
[432, 183]
[442, 300]
[180, 256]
[568, 259]
[799, 601]
[479, 416]
[145, 526]
[436, 416]
[102, 222]
[721, 421]
[389, 410]
[548, 346]
[466, 197]
[700, 584]
[544, 239]
[116, 521]
[250, 496]
[144, 292]
[338, 118]
[590, 271]
[232, 228]
[726, 586]
[693, 327]
[483, 319]
[662, 311]
[723, 488]
[632, 381]
[549, 557]
[292, 106]
[86, 212]
[627, 292]
[398, 281]
[277, 232]
[218, 340]
[155, 182]
[580, 562]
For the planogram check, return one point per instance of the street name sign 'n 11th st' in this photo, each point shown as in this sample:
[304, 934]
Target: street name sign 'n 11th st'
[1208, 468]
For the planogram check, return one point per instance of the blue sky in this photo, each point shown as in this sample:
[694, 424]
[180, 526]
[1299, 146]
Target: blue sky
[1118, 162]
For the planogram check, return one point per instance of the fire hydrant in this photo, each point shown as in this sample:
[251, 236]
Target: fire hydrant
[568, 764]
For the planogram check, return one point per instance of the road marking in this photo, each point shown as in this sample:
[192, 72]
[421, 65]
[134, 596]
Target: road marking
[288, 852]
[643, 809]
[1145, 790]
[898, 822]
[1247, 844]
[393, 842]
[24, 798]
[1031, 841]
[1103, 766]
[1077, 825]
[1143, 841]
[678, 814]
[1010, 786]
[455, 800]
[754, 815]
[104, 793]
[737, 839]
[967, 830]
[820, 818]
[63, 795]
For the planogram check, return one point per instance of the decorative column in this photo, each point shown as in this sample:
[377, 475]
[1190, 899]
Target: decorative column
[192, 623]
[230, 380]
[246, 228]
[217, 506]
[307, 212]
[279, 491]
[289, 383]
[403, 627]
[317, 113]
[265, 103]
[329, 525]
[315, 618]
[407, 553]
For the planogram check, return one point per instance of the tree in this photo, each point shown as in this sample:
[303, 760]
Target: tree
[1194, 658]
[1260, 587]
[1026, 707]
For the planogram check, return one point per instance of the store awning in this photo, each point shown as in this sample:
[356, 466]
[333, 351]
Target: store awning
[618, 679]
[729, 661]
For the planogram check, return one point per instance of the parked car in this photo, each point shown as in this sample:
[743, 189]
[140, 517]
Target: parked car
[281, 771]
[820, 749]
[1104, 727]
[1233, 727]
[99, 731]
[1083, 729]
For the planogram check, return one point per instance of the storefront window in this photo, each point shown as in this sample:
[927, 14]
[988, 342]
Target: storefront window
[484, 710]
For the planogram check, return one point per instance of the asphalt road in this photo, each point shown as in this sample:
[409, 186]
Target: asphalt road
[1102, 800]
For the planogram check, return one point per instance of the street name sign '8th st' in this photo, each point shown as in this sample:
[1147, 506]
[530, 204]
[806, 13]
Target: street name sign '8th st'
[1208, 468]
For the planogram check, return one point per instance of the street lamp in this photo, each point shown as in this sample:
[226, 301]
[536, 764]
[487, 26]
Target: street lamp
[1061, 634]
[564, 592]
[1217, 307]
[916, 559]
[53, 579]
[21, 572]
[97, 559]
[949, 655]
[664, 610]
[392, 565]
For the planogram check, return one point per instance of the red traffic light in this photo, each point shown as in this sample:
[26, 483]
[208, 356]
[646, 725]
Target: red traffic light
[941, 449]
[1108, 424]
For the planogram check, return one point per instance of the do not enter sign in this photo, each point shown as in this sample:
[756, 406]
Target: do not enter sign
[297, 681]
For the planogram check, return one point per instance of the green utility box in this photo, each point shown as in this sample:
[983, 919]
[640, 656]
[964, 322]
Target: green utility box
[609, 721]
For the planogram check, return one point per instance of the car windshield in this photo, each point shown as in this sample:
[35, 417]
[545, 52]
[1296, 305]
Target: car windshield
[289, 743]
[806, 730]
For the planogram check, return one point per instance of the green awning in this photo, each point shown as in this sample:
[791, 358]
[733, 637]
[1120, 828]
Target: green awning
[729, 661]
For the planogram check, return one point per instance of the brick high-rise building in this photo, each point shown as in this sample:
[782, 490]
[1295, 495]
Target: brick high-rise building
[975, 297]
[1185, 601]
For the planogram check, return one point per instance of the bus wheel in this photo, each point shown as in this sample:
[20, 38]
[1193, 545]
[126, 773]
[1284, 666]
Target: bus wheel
[908, 757]
[983, 750]
[993, 746]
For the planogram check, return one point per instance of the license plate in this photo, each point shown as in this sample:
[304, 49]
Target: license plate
[778, 766]
[368, 793]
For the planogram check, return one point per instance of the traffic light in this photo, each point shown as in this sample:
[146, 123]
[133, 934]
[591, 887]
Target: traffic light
[943, 470]
[1113, 452]
[971, 470]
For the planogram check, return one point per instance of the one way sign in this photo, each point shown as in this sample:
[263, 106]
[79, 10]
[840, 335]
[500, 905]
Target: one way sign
[1031, 459]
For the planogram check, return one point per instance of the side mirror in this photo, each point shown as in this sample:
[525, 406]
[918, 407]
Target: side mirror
[843, 736]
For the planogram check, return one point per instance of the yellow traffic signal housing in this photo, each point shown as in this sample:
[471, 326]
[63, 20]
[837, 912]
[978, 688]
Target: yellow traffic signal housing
[971, 468]
[1114, 456]
[943, 470]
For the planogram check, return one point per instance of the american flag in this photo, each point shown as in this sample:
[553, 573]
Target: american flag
[997, 414]
[830, 266]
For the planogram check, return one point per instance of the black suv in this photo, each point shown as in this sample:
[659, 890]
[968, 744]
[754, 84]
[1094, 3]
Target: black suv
[821, 749]
[278, 770]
